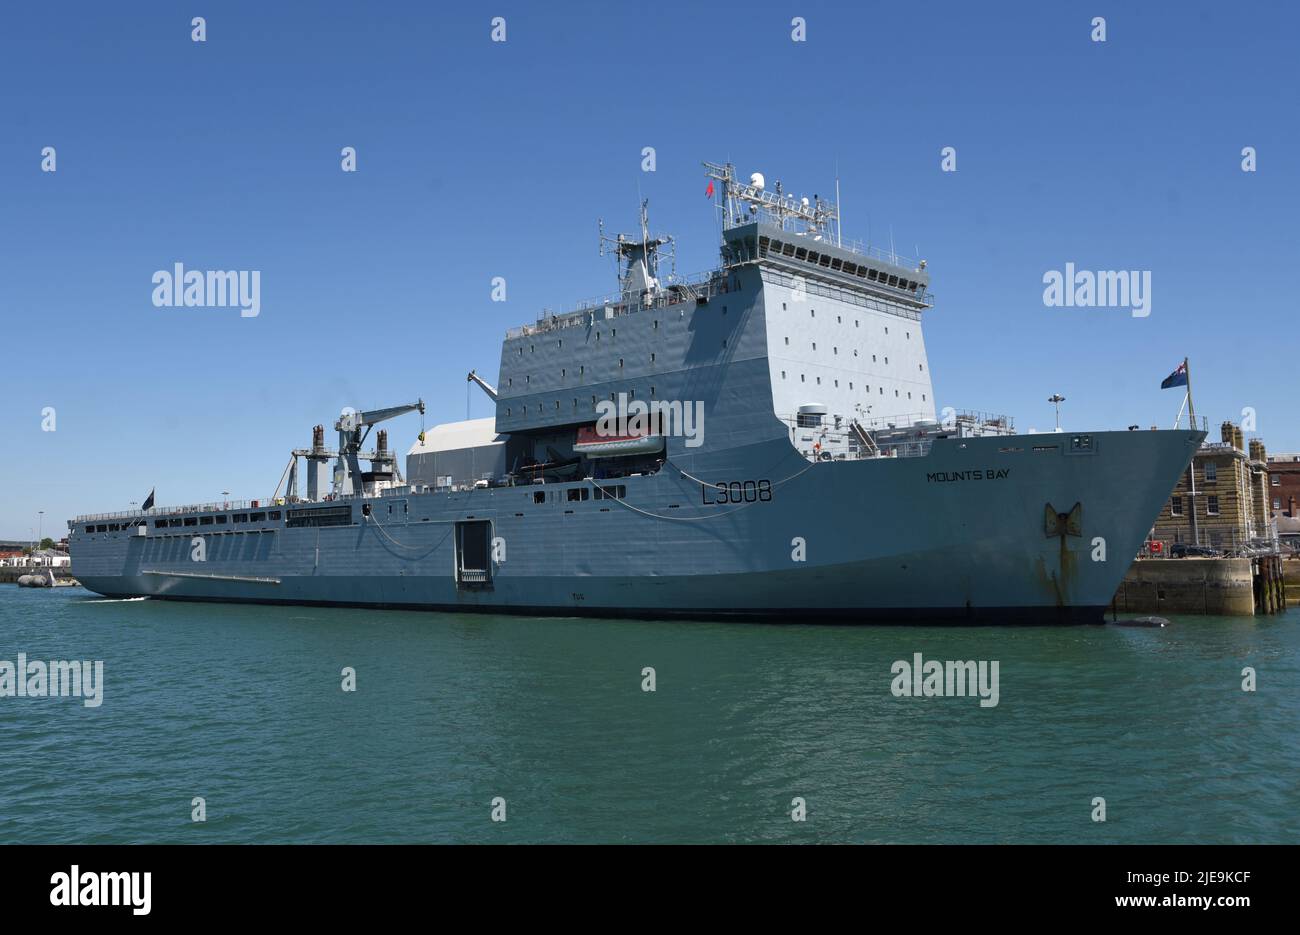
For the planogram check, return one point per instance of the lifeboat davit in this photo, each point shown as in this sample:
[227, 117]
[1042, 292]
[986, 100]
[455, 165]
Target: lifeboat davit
[594, 445]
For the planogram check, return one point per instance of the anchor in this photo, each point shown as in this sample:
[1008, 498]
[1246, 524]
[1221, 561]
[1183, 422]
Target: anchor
[1063, 524]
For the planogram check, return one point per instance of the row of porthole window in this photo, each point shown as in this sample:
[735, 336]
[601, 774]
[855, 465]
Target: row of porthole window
[183, 521]
[631, 394]
[857, 323]
[803, 378]
[582, 370]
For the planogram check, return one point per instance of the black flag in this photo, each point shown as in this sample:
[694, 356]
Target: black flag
[148, 502]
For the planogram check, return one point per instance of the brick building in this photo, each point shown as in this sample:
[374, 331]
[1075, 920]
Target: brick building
[1231, 504]
[1284, 485]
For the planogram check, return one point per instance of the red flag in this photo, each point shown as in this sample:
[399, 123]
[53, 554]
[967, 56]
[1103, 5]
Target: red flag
[708, 192]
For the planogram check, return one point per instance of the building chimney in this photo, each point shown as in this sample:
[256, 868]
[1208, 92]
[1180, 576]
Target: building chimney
[1225, 433]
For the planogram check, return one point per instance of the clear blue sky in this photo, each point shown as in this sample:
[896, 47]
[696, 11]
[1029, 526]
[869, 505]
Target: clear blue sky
[479, 160]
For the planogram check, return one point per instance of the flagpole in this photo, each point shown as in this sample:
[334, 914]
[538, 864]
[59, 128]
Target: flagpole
[1191, 407]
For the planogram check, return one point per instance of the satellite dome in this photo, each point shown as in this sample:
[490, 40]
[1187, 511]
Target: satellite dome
[757, 180]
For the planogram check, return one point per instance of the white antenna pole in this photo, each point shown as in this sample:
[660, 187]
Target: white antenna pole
[839, 209]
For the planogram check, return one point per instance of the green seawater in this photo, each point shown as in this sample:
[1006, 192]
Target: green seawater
[243, 706]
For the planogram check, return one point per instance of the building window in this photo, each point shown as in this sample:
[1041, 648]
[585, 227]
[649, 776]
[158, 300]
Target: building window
[1277, 504]
[1212, 505]
[1275, 480]
[1211, 472]
[1176, 506]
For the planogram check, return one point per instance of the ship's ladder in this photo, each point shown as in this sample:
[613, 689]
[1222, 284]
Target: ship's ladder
[864, 438]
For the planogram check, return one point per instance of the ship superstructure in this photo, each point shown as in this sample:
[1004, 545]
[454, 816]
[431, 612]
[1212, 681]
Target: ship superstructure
[757, 441]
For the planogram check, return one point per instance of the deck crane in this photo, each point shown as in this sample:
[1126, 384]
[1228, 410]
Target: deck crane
[353, 427]
[487, 387]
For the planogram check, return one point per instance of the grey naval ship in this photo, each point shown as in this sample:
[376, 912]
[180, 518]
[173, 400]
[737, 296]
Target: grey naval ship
[760, 441]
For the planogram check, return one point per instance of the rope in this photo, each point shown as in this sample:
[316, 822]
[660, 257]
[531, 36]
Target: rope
[383, 532]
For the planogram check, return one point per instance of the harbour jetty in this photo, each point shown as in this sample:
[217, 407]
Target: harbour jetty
[1219, 586]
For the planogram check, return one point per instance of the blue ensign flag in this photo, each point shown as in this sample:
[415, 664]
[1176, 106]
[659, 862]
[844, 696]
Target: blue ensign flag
[1177, 378]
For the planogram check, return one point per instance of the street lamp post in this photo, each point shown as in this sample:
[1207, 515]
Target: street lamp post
[1057, 399]
[40, 527]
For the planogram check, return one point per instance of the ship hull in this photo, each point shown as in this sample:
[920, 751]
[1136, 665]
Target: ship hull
[958, 534]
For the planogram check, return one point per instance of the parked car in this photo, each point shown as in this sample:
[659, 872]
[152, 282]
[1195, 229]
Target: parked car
[1183, 550]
